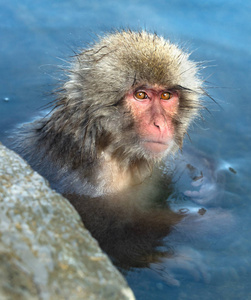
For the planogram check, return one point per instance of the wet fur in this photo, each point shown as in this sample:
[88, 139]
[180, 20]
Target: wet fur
[89, 121]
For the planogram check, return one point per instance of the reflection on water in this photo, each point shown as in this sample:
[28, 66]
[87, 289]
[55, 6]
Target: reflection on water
[170, 232]
[210, 243]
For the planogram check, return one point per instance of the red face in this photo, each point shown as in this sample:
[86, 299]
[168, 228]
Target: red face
[154, 109]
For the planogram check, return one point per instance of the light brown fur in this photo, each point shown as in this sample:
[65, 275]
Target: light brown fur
[89, 139]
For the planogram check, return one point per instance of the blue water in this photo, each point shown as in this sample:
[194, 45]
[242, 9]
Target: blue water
[36, 37]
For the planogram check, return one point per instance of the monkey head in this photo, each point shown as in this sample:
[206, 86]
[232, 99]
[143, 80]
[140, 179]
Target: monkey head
[131, 95]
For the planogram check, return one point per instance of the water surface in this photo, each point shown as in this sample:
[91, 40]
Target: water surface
[36, 37]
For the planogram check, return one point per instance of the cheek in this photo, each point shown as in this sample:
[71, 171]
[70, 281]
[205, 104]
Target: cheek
[171, 107]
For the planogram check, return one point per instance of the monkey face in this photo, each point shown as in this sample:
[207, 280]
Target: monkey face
[153, 109]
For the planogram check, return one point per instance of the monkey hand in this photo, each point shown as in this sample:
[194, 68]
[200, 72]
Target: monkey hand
[202, 182]
[204, 190]
[186, 263]
[198, 177]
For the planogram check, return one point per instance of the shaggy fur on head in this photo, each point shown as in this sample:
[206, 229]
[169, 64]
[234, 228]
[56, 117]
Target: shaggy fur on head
[89, 117]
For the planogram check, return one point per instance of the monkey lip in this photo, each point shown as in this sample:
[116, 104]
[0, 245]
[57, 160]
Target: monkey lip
[156, 146]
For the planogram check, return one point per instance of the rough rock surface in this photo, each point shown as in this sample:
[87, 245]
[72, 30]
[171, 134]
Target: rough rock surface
[45, 252]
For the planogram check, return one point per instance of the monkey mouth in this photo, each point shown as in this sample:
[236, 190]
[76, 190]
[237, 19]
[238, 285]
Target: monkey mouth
[156, 147]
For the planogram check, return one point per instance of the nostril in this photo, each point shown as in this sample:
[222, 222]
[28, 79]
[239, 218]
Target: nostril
[157, 125]
[160, 124]
[159, 121]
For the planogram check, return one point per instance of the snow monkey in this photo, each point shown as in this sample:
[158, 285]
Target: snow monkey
[127, 104]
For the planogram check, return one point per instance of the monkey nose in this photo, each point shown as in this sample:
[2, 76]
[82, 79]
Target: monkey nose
[160, 123]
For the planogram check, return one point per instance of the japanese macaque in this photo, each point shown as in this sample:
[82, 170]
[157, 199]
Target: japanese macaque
[128, 102]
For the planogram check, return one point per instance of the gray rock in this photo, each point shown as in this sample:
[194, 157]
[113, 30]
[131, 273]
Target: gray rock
[45, 252]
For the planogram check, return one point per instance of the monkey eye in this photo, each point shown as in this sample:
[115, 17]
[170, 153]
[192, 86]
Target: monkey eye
[140, 95]
[166, 96]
